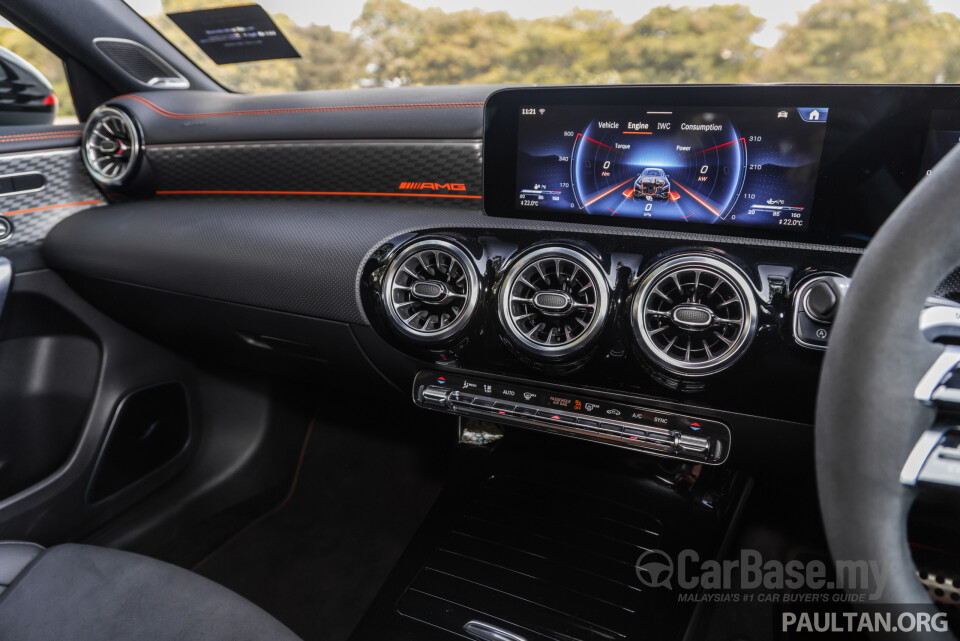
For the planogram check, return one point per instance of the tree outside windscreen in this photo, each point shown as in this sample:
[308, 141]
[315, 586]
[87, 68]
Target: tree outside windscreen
[393, 43]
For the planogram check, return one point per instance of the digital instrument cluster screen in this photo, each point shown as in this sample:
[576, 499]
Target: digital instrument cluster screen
[750, 166]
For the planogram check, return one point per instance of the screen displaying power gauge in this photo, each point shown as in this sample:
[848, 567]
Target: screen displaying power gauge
[753, 166]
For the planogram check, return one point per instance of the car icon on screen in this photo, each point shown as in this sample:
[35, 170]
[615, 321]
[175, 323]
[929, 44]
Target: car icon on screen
[652, 183]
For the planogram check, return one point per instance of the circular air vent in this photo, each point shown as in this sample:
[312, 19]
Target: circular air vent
[111, 145]
[694, 315]
[431, 290]
[553, 301]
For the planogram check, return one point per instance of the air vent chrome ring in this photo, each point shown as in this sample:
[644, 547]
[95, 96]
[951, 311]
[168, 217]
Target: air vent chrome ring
[112, 145]
[694, 314]
[430, 290]
[553, 301]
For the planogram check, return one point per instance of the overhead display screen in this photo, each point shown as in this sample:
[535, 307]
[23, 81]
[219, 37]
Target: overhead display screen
[748, 166]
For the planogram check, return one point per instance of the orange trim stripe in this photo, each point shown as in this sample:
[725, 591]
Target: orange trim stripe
[295, 110]
[36, 139]
[27, 211]
[44, 134]
[232, 192]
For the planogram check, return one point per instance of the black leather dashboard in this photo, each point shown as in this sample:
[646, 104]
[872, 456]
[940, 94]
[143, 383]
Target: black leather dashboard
[303, 257]
[414, 113]
[302, 205]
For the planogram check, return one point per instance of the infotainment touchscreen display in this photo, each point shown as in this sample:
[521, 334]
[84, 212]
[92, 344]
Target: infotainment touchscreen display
[814, 164]
[748, 166]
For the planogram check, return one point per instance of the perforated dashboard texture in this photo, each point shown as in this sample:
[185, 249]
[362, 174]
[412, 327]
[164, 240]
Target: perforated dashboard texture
[341, 170]
[289, 254]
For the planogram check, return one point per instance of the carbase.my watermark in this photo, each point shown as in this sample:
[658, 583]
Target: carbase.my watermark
[655, 568]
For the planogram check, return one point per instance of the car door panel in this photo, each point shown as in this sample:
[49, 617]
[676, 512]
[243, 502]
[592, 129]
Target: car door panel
[30, 214]
[63, 366]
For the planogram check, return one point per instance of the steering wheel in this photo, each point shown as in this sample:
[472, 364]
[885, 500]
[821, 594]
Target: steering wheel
[876, 415]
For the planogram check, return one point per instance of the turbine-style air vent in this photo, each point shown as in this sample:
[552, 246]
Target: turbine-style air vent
[111, 145]
[431, 290]
[694, 315]
[553, 301]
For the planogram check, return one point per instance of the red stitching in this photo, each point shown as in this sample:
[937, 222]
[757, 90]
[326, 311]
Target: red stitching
[38, 136]
[41, 133]
[237, 192]
[294, 110]
[12, 139]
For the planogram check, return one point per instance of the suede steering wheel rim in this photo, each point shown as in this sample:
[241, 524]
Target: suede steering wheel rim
[868, 420]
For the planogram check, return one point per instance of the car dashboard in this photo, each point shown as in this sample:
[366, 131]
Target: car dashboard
[498, 254]
[619, 297]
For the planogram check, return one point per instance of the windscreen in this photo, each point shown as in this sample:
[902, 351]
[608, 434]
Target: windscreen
[294, 45]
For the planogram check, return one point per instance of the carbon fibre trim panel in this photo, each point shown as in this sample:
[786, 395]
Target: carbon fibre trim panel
[347, 169]
[68, 190]
[298, 256]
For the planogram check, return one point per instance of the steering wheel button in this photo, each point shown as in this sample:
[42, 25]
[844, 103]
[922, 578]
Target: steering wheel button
[945, 395]
[953, 455]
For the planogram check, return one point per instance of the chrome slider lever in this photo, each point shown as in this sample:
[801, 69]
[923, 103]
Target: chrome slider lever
[487, 632]
[6, 278]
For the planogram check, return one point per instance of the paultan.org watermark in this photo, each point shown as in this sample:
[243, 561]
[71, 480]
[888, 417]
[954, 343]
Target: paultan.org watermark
[721, 580]
[869, 622]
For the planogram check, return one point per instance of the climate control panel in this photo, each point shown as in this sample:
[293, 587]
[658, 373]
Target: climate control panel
[583, 416]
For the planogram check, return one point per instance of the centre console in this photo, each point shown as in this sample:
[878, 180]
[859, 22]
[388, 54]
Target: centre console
[656, 271]
[534, 544]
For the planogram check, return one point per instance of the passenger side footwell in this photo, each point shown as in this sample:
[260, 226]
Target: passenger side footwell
[317, 561]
